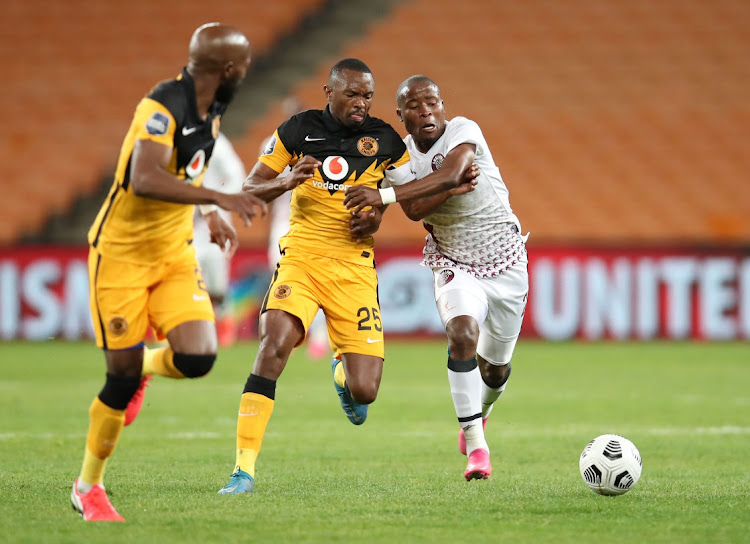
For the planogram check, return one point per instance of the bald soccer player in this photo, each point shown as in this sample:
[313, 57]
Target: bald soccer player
[142, 265]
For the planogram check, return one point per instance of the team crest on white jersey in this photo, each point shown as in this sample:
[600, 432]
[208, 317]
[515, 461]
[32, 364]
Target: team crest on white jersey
[437, 162]
[335, 168]
[195, 166]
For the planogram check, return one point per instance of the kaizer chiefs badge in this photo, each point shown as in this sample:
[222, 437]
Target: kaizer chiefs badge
[282, 291]
[215, 124]
[367, 145]
[118, 326]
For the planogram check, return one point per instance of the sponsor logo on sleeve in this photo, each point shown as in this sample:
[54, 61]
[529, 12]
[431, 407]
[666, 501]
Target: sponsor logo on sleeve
[157, 124]
[270, 145]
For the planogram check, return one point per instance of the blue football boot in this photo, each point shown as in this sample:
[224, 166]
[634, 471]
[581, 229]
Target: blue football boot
[357, 413]
[239, 482]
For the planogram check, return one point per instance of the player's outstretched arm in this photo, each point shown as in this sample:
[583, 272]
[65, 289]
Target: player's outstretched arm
[418, 198]
[265, 182]
[458, 175]
[150, 178]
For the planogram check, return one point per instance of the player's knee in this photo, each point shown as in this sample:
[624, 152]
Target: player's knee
[463, 335]
[118, 390]
[462, 341]
[364, 393]
[495, 375]
[194, 366]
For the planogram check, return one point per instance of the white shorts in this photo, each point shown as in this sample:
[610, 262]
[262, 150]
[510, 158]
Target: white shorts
[497, 304]
[214, 268]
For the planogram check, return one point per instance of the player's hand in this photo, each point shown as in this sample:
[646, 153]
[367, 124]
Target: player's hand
[221, 233]
[302, 171]
[468, 181]
[243, 204]
[359, 197]
[365, 223]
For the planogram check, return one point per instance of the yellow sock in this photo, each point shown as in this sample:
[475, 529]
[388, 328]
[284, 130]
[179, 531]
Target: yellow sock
[92, 471]
[339, 376]
[255, 411]
[105, 426]
[159, 361]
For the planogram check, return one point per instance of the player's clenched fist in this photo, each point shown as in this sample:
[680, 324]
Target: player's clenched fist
[359, 197]
[222, 233]
[302, 171]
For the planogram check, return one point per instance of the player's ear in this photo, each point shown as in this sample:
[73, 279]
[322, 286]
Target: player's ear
[398, 112]
[327, 91]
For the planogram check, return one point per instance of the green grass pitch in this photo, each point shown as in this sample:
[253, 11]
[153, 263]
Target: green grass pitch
[399, 477]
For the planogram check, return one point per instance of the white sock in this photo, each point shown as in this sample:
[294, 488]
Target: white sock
[466, 389]
[475, 440]
[489, 396]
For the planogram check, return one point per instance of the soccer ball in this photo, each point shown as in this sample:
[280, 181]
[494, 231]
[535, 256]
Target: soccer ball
[610, 464]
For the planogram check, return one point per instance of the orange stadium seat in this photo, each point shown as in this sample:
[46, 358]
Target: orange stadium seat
[74, 72]
[612, 122]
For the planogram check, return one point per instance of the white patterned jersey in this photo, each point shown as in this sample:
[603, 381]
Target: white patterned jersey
[476, 232]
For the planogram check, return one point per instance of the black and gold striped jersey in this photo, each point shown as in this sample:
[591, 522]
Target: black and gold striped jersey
[319, 222]
[139, 229]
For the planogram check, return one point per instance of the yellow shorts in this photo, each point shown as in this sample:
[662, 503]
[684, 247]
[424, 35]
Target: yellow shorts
[347, 293]
[126, 298]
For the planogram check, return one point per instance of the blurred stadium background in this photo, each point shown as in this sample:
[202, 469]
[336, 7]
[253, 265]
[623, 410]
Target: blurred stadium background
[620, 127]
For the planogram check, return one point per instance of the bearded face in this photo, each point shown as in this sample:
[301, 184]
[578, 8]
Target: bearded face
[227, 88]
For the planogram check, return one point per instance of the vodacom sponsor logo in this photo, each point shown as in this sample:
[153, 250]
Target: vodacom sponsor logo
[336, 168]
[332, 187]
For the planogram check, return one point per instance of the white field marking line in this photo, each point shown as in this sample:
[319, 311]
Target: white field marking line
[513, 430]
[504, 430]
[201, 435]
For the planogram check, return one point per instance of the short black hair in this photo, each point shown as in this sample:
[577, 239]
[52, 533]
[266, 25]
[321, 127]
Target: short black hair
[409, 81]
[352, 64]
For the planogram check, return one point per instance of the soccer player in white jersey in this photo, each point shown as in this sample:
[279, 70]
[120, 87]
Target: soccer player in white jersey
[225, 173]
[475, 250]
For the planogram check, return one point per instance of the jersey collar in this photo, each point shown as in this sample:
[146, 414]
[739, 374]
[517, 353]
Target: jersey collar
[189, 85]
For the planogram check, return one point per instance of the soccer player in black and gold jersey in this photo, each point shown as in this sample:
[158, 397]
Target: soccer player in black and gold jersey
[327, 258]
[142, 265]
